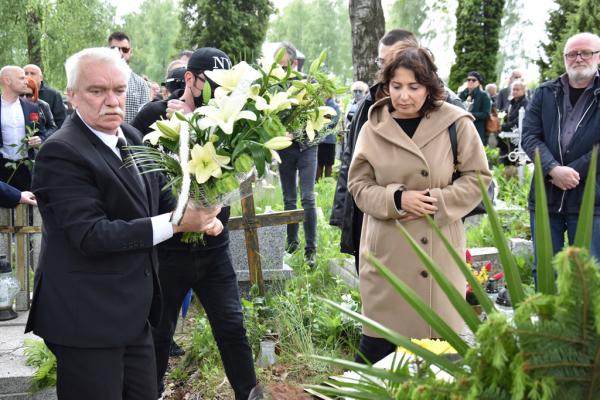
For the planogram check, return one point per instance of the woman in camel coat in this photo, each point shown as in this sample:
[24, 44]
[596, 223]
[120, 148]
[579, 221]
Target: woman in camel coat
[401, 170]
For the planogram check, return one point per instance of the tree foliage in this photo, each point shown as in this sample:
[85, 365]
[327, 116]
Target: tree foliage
[512, 54]
[477, 39]
[314, 26]
[367, 24]
[416, 16]
[238, 27]
[153, 32]
[46, 33]
[551, 63]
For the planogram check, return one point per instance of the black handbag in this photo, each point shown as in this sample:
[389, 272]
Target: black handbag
[480, 208]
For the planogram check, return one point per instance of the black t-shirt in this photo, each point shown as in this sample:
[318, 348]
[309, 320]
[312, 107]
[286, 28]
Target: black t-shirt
[409, 125]
[148, 115]
[575, 94]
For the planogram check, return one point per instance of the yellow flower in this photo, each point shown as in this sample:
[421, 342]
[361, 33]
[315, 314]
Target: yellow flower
[164, 128]
[206, 162]
[223, 111]
[278, 102]
[229, 79]
[435, 346]
[316, 122]
[278, 143]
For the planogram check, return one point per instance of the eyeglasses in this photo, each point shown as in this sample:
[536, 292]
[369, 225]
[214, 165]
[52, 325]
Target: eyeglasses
[379, 62]
[585, 55]
[123, 50]
[471, 80]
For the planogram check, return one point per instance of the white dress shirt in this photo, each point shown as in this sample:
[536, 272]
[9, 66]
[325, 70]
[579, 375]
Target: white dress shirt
[162, 228]
[13, 129]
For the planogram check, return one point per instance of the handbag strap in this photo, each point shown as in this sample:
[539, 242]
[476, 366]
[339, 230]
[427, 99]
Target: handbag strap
[454, 147]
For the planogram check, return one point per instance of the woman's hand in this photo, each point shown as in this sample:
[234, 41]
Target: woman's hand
[417, 202]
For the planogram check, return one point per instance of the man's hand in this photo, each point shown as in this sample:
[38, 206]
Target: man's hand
[217, 228]
[34, 141]
[199, 220]
[418, 203]
[178, 105]
[28, 198]
[564, 177]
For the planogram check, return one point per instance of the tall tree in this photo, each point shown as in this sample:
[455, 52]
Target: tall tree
[153, 31]
[409, 15]
[477, 39]
[512, 54]
[551, 63]
[368, 26]
[238, 27]
[314, 26]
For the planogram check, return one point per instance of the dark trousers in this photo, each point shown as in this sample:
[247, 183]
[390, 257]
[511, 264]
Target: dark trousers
[303, 163]
[210, 274]
[372, 349]
[118, 373]
[21, 178]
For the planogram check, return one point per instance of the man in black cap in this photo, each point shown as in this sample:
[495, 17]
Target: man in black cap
[207, 268]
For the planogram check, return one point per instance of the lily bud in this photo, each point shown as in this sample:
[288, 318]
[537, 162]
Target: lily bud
[278, 143]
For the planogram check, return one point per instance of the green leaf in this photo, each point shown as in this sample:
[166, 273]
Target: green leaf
[543, 239]
[279, 55]
[511, 272]
[456, 298]
[430, 316]
[400, 340]
[206, 92]
[583, 236]
[362, 368]
[478, 291]
[258, 155]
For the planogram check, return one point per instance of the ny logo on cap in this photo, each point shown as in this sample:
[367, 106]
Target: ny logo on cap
[221, 63]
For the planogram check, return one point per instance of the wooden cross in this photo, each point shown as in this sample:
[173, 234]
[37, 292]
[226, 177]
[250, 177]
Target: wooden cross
[250, 222]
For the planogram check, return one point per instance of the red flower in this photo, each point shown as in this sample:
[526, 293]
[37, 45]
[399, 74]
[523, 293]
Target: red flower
[34, 117]
[469, 257]
[488, 266]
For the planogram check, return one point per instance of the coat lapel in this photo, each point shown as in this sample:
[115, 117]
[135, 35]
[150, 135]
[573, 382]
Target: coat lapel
[116, 165]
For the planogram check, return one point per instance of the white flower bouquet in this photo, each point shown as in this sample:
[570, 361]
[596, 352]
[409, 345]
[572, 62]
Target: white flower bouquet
[254, 112]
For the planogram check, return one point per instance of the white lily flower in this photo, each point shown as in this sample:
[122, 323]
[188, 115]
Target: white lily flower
[316, 122]
[275, 156]
[164, 128]
[278, 72]
[206, 162]
[297, 94]
[279, 101]
[229, 79]
[223, 112]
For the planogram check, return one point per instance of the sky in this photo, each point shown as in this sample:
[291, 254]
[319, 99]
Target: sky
[536, 11]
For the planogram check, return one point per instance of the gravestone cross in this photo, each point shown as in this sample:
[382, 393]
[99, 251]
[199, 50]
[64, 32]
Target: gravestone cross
[250, 222]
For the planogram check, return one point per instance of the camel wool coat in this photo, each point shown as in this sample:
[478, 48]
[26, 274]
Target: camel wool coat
[387, 160]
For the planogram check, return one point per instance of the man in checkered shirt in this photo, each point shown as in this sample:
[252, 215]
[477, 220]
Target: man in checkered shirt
[138, 92]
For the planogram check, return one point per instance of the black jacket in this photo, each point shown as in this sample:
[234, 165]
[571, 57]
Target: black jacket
[541, 130]
[344, 213]
[55, 101]
[512, 117]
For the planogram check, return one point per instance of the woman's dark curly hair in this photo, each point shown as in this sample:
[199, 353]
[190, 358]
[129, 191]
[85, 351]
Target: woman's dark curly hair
[420, 61]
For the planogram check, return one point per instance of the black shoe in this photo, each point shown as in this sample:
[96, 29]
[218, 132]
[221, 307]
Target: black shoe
[311, 258]
[175, 350]
[291, 248]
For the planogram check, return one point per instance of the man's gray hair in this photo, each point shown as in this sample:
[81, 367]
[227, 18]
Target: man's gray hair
[518, 82]
[97, 54]
[586, 35]
[289, 49]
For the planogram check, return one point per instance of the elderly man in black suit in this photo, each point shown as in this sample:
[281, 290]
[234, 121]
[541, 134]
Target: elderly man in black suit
[96, 287]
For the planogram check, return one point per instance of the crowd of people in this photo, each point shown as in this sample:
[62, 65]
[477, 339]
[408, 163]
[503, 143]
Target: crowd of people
[114, 270]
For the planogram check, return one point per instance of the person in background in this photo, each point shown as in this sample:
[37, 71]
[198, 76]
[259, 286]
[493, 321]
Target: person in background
[511, 121]
[359, 90]
[48, 94]
[492, 91]
[402, 170]
[46, 117]
[477, 102]
[326, 151]
[562, 122]
[155, 93]
[502, 100]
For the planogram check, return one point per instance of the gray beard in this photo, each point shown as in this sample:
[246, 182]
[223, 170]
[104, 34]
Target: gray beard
[581, 75]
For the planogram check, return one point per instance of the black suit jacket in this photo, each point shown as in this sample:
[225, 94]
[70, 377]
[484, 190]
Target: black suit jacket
[30, 112]
[9, 196]
[96, 284]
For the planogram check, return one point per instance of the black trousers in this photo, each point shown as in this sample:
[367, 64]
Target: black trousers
[372, 349]
[210, 274]
[21, 178]
[116, 373]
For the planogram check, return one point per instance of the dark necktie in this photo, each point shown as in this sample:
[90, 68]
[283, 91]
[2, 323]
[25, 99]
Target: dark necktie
[129, 165]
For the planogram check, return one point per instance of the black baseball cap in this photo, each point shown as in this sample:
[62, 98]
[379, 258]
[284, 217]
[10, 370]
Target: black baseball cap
[207, 59]
[175, 79]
